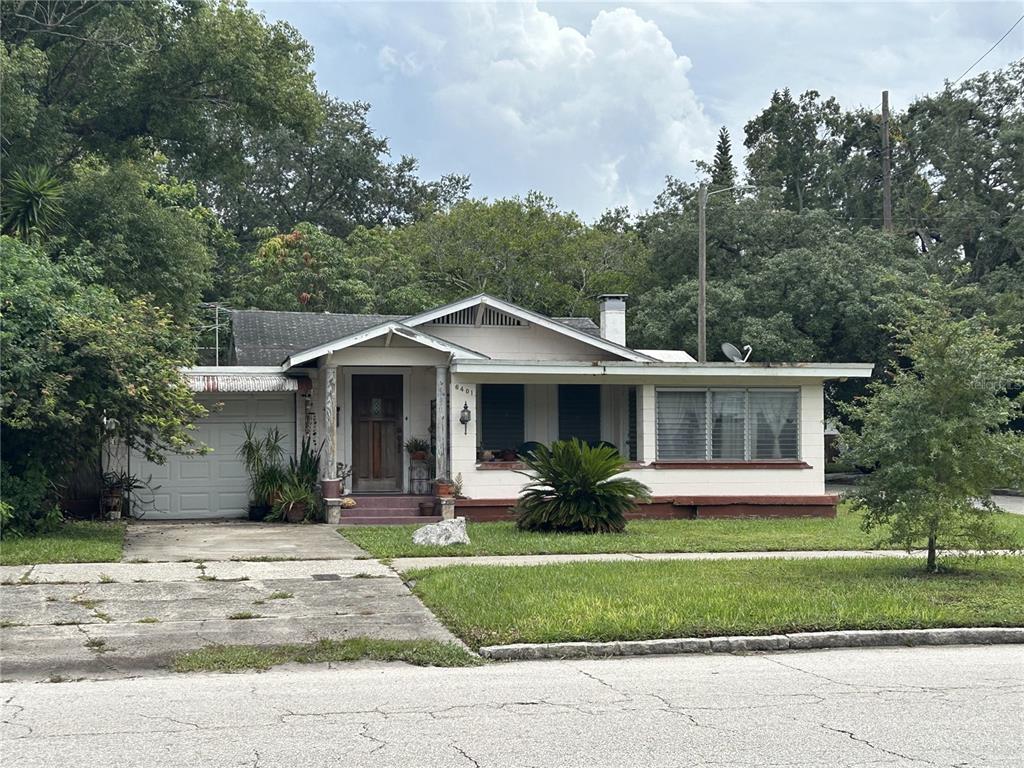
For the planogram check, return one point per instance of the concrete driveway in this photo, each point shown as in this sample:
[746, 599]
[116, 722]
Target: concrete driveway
[234, 540]
[116, 619]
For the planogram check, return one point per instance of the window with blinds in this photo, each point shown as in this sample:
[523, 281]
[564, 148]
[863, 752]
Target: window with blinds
[728, 424]
[502, 416]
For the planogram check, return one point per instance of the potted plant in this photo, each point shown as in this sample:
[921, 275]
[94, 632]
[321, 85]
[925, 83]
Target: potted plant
[294, 502]
[417, 448]
[508, 454]
[113, 495]
[442, 486]
[262, 457]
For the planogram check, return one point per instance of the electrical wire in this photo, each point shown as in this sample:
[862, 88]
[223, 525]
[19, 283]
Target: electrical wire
[994, 46]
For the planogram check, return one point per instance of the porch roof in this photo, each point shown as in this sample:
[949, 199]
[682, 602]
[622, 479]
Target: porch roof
[656, 372]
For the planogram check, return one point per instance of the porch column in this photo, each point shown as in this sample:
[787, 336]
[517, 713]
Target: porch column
[441, 422]
[646, 424]
[329, 450]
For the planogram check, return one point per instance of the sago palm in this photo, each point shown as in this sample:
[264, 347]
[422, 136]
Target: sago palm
[575, 487]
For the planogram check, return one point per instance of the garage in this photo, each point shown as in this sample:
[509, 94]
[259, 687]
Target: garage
[216, 484]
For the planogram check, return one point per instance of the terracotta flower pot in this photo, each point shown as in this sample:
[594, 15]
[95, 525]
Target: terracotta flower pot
[418, 455]
[442, 489]
[330, 489]
[295, 513]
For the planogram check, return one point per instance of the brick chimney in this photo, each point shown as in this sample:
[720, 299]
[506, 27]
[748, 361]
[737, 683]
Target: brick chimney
[613, 317]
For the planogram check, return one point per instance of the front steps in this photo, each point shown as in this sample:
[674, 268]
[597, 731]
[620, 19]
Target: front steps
[394, 509]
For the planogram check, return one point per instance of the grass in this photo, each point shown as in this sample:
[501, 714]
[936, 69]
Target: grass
[745, 535]
[73, 542]
[238, 658]
[486, 605]
[280, 595]
[241, 615]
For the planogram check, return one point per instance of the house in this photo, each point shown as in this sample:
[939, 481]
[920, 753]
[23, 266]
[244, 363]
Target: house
[480, 377]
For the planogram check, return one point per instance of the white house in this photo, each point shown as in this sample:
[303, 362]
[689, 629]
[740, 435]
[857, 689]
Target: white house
[479, 378]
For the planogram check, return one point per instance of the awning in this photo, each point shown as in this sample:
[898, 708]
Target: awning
[244, 382]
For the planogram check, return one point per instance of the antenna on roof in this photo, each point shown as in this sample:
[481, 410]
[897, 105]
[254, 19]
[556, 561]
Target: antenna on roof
[734, 354]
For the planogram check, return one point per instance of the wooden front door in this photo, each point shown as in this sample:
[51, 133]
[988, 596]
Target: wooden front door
[377, 432]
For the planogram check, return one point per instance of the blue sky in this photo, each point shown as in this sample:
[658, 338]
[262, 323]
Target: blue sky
[594, 104]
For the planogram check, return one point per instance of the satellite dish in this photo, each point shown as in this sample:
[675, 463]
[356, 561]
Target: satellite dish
[734, 354]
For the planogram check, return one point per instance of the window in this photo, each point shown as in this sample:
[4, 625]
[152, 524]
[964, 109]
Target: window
[728, 424]
[579, 412]
[501, 416]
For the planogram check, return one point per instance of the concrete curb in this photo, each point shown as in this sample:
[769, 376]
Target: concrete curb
[862, 638]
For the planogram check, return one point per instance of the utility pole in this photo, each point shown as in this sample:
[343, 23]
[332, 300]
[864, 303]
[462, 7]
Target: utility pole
[886, 167]
[702, 276]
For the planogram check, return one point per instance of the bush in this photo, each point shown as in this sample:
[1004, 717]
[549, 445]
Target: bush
[29, 501]
[576, 488]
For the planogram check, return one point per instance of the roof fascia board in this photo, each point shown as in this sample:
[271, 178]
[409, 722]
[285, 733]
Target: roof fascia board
[656, 370]
[389, 327]
[533, 317]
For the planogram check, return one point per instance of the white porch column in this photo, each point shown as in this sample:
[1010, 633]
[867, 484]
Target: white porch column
[329, 450]
[441, 436]
[646, 424]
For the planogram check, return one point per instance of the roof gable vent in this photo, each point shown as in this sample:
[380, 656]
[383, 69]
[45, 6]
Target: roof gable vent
[479, 315]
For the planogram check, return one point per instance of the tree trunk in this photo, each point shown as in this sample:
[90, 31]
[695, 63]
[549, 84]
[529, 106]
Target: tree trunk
[932, 565]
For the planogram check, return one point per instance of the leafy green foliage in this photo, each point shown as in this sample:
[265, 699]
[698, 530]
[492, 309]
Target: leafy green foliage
[935, 432]
[576, 487]
[81, 365]
[32, 203]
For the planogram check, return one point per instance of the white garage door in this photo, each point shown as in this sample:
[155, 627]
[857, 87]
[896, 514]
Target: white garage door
[214, 485]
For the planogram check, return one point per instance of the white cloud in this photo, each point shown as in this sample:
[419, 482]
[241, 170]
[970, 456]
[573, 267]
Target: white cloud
[591, 118]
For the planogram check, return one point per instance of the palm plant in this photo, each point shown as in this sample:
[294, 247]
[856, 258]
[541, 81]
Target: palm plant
[32, 203]
[575, 487]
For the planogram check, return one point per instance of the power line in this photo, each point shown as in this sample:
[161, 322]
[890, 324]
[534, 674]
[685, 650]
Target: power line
[994, 46]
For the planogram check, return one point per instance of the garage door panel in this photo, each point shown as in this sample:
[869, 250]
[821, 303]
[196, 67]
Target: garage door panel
[215, 484]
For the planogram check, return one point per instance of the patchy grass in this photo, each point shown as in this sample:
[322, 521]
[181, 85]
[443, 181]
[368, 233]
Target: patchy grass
[745, 535]
[97, 644]
[73, 542]
[280, 595]
[238, 658]
[148, 620]
[488, 605]
[241, 615]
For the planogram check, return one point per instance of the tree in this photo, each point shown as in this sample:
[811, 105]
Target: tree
[339, 180]
[80, 365]
[121, 77]
[32, 203]
[723, 172]
[790, 148]
[934, 434]
[138, 231]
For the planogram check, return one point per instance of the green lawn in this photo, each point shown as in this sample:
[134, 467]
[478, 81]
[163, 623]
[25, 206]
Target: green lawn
[73, 542]
[487, 605]
[842, 532]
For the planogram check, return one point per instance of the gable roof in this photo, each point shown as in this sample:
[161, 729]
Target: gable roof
[385, 329]
[536, 318]
[268, 337]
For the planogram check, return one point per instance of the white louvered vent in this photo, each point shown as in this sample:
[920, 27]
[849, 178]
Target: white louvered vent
[492, 317]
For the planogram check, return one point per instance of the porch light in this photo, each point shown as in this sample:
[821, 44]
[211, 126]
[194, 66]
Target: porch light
[464, 417]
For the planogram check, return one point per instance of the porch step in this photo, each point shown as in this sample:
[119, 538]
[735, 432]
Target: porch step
[381, 512]
[391, 501]
[395, 520]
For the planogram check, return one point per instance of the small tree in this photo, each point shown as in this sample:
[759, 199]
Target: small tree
[935, 432]
[723, 172]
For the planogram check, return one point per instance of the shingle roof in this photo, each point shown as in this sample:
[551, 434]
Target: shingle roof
[264, 337]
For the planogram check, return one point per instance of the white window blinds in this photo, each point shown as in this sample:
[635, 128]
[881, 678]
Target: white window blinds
[728, 424]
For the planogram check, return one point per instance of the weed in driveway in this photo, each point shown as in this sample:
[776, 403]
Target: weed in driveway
[148, 620]
[105, 579]
[245, 615]
[279, 595]
[97, 644]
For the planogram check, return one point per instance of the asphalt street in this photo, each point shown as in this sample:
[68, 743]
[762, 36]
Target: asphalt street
[949, 706]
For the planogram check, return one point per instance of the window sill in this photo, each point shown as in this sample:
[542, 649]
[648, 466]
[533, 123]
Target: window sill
[727, 464]
[500, 465]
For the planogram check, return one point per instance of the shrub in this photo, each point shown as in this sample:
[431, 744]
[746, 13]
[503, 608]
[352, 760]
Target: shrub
[29, 501]
[577, 488]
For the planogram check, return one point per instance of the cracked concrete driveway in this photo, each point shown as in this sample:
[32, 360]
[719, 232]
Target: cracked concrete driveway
[887, 707]
[118, 619]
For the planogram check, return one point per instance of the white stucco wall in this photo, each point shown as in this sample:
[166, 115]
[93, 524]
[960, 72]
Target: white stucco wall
[504, 484]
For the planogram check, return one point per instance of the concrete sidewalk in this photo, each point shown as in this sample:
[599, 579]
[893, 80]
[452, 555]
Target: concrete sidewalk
[402, 564]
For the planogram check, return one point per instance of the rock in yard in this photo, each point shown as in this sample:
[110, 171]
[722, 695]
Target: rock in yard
[443, 533]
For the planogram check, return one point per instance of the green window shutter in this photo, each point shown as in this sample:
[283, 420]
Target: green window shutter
[579, 412]
[501, 416]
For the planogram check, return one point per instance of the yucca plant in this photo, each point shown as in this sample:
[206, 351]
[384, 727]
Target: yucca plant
[575, 487]
[33, 203]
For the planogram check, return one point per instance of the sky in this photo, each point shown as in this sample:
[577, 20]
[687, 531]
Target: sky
[595, 104]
